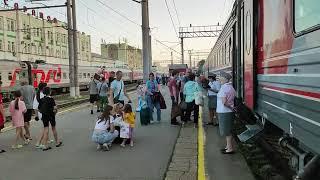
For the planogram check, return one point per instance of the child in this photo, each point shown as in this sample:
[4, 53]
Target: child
[17, 109]
[129, 118]
[141, 93]
[48, 109]
[104, 132]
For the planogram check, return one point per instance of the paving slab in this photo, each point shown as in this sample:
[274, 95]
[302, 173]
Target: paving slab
[79, 159]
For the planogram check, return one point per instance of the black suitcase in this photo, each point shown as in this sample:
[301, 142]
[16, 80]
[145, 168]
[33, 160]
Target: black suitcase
[145, 116]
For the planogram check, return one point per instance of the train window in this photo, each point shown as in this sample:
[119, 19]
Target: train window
[307, 15]
[88, 75]
[58, 75]
[84, 75]
[51, 75]
[9, 76]
[64, 75]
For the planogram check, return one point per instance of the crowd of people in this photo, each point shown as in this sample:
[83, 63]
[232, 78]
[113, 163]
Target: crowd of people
[26, 100]
[116, 119]
[186, 91]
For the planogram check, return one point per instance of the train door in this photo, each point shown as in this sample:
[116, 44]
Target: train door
[29, 73]
[247, 51]
[23, 74]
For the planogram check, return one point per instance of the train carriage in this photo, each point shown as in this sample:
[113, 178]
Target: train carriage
[275, 63]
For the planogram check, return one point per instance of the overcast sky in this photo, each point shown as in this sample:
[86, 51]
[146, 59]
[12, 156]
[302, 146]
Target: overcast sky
[98, 20]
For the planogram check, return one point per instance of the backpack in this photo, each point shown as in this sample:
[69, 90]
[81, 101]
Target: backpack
[45, 106]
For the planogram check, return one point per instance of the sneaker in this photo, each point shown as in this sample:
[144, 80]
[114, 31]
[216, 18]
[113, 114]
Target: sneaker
[151, 122]
[131, 143]
[105, 147]
[17, 146]
[46, 148]
[123, 145]
[99, 147]
[91, 112]
[110, 144]
[26, 142]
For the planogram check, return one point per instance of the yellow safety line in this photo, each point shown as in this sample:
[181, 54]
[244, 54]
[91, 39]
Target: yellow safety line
[201, 169]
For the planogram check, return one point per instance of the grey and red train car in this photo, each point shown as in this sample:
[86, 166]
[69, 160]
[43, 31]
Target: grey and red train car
[272, 47]
[55, 75]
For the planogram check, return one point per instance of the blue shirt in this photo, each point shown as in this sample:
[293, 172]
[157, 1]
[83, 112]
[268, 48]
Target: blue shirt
[152, 86]
[190, 90]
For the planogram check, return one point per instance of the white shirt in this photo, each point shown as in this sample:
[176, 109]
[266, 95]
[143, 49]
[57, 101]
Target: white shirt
[214, 85]
[221, 108]
[103, 125]
[117, 86]
[36, 104]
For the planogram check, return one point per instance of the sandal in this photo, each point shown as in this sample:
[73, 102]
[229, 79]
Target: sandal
[210, 123]
[2, 151]
[59, 144]
[46, 149]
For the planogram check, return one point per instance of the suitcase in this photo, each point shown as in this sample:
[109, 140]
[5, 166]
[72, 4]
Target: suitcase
[145, 116]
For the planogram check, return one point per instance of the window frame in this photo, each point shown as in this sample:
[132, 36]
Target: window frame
[305, 31]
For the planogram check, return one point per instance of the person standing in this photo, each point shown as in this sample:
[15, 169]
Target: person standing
[2, 115]
[213, 89]
[93, 91]
[111, 78]
[153, 99]
[48, 108]
[118, 90]
[225, 106]
[174, 93]
[17, 109]
[103, 96]
[28, 94]
[39, 95]
[190, 90]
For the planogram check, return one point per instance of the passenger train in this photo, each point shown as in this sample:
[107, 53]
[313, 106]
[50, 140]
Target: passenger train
[55, 75]
[273, 49]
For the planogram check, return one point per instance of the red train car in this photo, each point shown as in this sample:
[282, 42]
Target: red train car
[273, 50]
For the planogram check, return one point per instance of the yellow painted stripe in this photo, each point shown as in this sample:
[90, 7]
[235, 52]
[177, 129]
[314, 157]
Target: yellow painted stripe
[201, 168]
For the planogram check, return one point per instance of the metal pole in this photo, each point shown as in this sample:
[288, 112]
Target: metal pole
[150, 53]
[18, 39]
[145, 39]
[70, 49]
[182, 52]
[238, 70]
[75, 48]
[171, 58]
[190, 58]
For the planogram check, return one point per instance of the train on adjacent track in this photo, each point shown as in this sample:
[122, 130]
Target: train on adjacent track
[273, 49]
[55, 75]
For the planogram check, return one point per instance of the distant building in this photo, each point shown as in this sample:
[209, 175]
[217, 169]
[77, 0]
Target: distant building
[129, 55]
[99, 59]
[28, 37]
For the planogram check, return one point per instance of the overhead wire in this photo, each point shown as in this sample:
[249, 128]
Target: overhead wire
[174, 27]
[175, 8]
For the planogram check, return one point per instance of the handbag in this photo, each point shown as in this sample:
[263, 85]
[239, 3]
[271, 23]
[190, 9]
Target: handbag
[199, 98]
[116, 99]
[162, 102]
[183, 105]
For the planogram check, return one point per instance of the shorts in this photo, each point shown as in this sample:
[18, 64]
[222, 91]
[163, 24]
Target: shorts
[48, 119]
[212, 102]
[28, 115]
[93, 98]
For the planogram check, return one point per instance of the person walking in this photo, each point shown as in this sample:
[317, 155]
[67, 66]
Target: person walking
[118, 90]
[225, 106]
[28, 94]
[190, 90]
[17, 108]
[38, 115]
[111, 78]
[153, 98]
[48, 108]
[2, 115]
[213, 89]
[93, 91]
[103, 96]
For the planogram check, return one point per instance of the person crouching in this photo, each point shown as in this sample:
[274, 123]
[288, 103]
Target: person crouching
[104, 132]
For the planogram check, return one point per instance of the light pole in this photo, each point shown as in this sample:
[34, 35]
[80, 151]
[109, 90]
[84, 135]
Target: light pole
[146, 38]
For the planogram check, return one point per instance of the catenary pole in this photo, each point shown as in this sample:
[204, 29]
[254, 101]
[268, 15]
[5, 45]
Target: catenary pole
[75, 49]
[145, 39]
[70, 49]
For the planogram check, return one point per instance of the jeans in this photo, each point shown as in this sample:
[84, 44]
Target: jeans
[153, 105]
[101, 137]
[191, 106]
